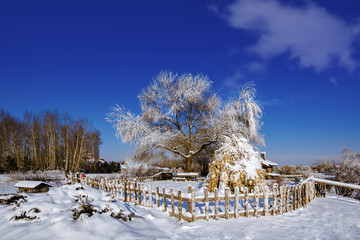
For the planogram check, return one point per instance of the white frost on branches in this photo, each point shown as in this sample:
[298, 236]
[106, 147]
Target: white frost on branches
[242, 116]
[181, 114]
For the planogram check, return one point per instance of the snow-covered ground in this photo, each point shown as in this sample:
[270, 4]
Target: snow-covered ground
[332, 217]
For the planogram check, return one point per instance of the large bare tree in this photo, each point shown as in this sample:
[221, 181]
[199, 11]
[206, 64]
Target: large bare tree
[181, 114]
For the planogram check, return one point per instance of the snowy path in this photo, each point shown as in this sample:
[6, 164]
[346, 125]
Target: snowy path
[325, 218]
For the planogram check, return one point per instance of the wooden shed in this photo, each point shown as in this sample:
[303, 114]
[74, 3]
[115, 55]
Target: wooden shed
[267, 165]
[163, 176]
[32, 186]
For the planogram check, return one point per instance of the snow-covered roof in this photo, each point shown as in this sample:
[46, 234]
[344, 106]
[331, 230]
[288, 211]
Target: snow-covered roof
[30, 184]
[268, 163]
[161, 173]
[273, 174]
[189, 174]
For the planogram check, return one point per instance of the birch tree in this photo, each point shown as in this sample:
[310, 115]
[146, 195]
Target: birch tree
[181, 114]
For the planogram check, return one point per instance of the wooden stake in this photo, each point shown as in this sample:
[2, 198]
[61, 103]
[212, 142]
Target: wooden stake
[157, 197]
[125, 192]
[299, 196]
[266, 201]
[165, 201]
[144, 195]
[180, 204]
[281, 199]
[139, 193]
[172, 201]
[189, 203]
[206, 195]
[256, 203]
[246, 202]
[151, 203]
[192, 204]
[274, 200]
[293, 189]
[236, 206]
[287, 198]
[227, 190]
[129, 184]
[216, 203]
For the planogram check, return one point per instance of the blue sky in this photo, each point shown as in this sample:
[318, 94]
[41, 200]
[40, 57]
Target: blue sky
[85, 56]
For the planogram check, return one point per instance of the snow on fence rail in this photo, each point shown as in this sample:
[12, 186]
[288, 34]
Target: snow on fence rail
[189, 207]
[340, 188]
[337, 184]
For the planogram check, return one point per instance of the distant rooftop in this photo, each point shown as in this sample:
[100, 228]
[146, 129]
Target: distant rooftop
[30, 184]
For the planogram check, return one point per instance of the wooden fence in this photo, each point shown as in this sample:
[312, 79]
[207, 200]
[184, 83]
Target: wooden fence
[324, 185]
[189, 207]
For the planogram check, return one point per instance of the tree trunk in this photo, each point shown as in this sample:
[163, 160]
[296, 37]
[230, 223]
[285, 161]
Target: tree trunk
[188, 164]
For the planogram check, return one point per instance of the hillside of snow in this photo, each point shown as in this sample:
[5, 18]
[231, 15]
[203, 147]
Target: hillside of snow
[332, 217]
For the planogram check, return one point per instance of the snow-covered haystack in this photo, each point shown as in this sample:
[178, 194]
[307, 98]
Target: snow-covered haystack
[236, 164]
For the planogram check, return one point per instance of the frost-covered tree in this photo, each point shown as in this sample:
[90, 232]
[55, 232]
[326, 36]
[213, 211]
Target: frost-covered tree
[182, 115]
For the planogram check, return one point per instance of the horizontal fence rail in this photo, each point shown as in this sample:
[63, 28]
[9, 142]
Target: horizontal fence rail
[190, 207]
[340, 188]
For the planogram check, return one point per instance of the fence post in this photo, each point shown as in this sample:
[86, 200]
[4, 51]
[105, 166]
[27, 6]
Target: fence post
[180, 204]
[125, 191]
[189, 202]
[157, 197]
[256, 203]
[165, 202]
[274, 199]
[293, 193]
[216, 204]
[281, 202]
[139, 193]
[144, 195]
[266, 201]
[246, 202]
[130, 198]
[172, 201]
[227, 202]
[206, 195]
[236, 206]
[298, 196]
[287, 198]
[151, 203]
[193, 204]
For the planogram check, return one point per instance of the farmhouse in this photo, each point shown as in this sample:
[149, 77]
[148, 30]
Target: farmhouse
[267, 165]
[32, 186]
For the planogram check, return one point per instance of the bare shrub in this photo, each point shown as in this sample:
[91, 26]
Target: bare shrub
[347, 170]
[122, 216]
[23, 215]
[15, 199]
[84, 207]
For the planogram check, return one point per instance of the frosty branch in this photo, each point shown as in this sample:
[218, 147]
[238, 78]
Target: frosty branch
[182, 115]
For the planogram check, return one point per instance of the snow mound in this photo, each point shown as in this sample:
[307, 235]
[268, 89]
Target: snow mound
[236, 164]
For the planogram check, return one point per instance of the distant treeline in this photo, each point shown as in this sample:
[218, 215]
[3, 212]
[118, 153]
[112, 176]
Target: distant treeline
[47, 141]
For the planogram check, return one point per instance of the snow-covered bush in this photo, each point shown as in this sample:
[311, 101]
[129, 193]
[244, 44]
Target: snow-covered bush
[347, 170]
[236, 164]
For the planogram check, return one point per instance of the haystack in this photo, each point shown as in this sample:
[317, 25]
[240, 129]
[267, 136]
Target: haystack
[236, 164]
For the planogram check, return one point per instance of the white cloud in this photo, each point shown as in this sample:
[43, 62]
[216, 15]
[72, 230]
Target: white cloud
[232, 81]
[310, 34]
[255, 67]
[333, 81]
